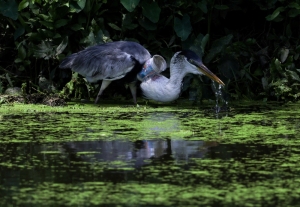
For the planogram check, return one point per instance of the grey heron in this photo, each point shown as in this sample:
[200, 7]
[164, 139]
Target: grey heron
[131, 61]
[159, 88]
[113, 61]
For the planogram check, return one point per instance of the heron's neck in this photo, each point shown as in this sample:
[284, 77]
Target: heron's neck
[160, 88]
[176, 75]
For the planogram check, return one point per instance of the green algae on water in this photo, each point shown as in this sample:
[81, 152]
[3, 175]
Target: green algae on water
[179, 155]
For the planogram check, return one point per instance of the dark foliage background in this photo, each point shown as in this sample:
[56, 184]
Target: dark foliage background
[253, 45]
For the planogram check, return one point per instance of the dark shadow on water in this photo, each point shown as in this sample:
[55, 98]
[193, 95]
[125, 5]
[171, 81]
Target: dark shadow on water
[143, 161]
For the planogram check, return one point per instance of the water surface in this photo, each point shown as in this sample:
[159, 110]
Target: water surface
[84, 155]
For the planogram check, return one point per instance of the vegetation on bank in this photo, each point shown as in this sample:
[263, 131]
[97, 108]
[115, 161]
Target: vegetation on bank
[257, 57]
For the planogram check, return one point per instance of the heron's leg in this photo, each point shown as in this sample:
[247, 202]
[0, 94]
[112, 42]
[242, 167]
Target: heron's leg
[104, 85]
[132, 87]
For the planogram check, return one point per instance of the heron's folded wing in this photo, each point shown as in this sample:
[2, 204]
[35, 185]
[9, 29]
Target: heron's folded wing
[95, 64]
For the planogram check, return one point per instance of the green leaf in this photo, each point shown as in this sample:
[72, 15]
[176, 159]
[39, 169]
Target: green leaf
[284, 52]
[56, 36]
[172, 40]
[258, 72]
[43, 50]
[9, 80]
[130, 4]
[276, 69]
[34, 36]
[18, 60]
[88, 6]
[183, 27]
[62, 46]
[34, 11]
[203, 6]
[204, 42]
[19, 31]
[23, 5]
[221, 7]
[47, 24]
[26, 62]
[96, 8]
[294, 75]
[90, 39]
[61, 22]
[275, 14]
[43, 16]
[76, 27]
[147, 24]
[21, 52]
[277, 65]
[21, 68]
[127, 22]
[294, 12]
[151, 11]
[99, 37]
[199, 44]
[115, 27]
[9, 9]
[131, 26]
[294, 5]
[81, 3]
[196, 45]
[76, 7]
[217, 46]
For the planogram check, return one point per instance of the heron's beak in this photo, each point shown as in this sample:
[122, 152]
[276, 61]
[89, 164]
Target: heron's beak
[203, 69]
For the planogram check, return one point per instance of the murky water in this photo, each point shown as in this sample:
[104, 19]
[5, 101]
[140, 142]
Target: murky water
[165, 156]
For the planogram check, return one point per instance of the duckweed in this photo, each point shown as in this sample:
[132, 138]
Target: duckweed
[152, 155]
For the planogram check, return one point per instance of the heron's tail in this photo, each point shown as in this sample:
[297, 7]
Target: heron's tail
[68, 61]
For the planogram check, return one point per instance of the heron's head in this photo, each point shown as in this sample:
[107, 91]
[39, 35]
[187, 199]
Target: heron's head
[192, 63]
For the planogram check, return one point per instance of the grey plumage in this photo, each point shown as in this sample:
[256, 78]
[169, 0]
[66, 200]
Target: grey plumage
[108, 62]
[130, 60]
